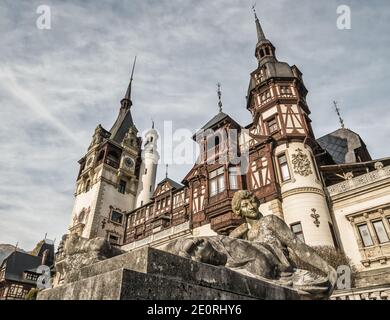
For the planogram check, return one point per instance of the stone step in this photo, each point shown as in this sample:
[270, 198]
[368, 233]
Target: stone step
[125, 284]
[154, 262]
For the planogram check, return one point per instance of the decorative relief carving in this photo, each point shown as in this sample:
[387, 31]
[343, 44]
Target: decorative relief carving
[376, 253]
[359, 181]
[301, 163]
[378, 165]
[315, 217]
[348, 176]
[302, 190]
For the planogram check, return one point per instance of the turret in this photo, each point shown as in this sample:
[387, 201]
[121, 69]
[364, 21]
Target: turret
[148, 171]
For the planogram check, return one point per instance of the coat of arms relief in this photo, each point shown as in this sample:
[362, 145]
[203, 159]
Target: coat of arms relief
[301, 163]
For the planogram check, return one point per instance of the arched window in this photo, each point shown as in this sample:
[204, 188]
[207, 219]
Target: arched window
[113, 158]
[261, 53]
[88, 186]
[267, 52]
[213, 141]
[100, 156]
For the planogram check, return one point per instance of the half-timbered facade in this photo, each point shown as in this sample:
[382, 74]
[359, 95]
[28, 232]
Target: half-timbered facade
[329, 191]
[274, 157]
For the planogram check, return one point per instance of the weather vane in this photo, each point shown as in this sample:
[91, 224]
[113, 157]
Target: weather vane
[166, 171]
[338, 113]
[254, 9]
[219, 97]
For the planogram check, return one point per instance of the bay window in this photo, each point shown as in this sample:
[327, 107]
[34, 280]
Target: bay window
[217, 181]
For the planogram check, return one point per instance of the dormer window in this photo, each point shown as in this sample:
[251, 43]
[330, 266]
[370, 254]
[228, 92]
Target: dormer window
[267, 52]
[261, 53]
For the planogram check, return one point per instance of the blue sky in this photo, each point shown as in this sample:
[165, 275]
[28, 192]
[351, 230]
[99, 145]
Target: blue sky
[57, 85]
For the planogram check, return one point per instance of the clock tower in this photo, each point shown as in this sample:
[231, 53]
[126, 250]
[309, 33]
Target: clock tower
[107, 182]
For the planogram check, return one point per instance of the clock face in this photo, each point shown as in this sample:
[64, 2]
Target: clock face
[129, 162]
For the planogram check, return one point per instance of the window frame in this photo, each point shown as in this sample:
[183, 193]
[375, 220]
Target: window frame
[275, 125]
[116, 212]
[122, 186]
[284, 164]
[300, 233]
[376, 231]
[113, 235]
[361, 236]
[217, 176]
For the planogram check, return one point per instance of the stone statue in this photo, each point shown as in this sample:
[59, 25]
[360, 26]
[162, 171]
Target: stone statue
[75, 252]
[260, 248]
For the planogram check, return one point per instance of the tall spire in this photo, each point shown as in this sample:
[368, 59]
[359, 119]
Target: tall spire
[260, 32]
[219, 97]
[127, 99]
[339, 114]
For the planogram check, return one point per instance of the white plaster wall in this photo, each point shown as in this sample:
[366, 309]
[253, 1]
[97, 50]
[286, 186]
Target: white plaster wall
[297, 180]
[110, 196]
[265, 208]
[298, 206]
[204, 231]
[85, 200]
[349, 205]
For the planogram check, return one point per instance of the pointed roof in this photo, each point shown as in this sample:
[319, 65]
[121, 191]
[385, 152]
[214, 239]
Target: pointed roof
[260, 32]
[122, 125]
[124, 121]
[215, 120]
[128, 91]
[218, 118]
[166, 185]
[342, 144]
[172, 183]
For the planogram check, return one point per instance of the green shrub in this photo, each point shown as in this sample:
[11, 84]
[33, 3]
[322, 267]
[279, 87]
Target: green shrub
[332, 256]
[32, 294]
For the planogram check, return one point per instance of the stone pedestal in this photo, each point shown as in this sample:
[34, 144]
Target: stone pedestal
[149, 273]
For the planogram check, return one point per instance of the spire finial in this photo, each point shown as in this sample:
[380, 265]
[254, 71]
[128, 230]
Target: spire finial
[152, 124]
[254, 10]
[128, 92]
[166, 171]
[219, 97]
[339, 114]
[260, 33]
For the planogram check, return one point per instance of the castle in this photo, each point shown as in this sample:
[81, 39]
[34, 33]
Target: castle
[328, 190]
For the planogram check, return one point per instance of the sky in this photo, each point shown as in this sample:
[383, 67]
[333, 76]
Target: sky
[58, 84]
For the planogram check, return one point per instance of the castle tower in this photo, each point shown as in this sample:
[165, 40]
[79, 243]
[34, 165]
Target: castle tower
[148, 171]
[107, 183]
[282, 170]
